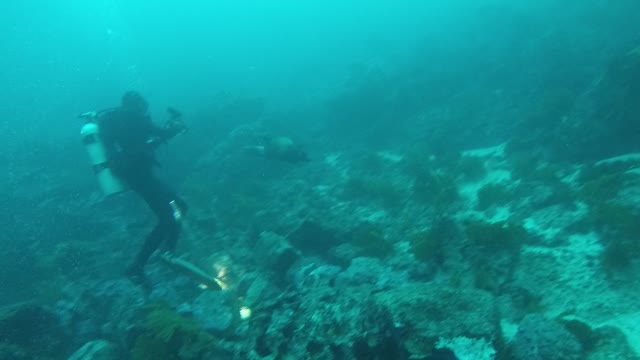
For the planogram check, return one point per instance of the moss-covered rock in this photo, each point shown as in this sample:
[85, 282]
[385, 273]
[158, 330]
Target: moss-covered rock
[439, 191]
[494, 195]
[619, 252]
[427, 312]
[610, 214]
[539, 338]
[374, 188]
[371, 241]
[617, 108]
[426, 246]
[527, 168]
[602, 189]
[471, 168]
[430, 245]
[33, 331]
[312, 237]
[167, 336]
[499, 237]
[586, 335]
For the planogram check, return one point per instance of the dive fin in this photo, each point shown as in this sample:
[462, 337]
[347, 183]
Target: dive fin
[190, 270]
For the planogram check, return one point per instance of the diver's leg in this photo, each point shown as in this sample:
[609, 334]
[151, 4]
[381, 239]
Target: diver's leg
[165, 206]
[173, 226]
[181, 204]
[151, 243]
[171, 240]
[135, 271]
[154, 195]
[159, 197]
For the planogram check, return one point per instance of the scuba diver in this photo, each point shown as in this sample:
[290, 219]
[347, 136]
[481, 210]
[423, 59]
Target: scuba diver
[129, 139]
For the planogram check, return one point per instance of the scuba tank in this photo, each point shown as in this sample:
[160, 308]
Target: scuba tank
[90, 133]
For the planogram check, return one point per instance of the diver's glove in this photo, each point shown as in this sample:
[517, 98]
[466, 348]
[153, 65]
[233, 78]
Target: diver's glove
[166, 133]
[89, 116]
[175, 125]
[171, 129]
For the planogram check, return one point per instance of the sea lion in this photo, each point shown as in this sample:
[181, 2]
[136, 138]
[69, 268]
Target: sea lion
[279, 148]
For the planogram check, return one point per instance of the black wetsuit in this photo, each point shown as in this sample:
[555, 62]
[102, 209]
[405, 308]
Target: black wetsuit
[130, 139]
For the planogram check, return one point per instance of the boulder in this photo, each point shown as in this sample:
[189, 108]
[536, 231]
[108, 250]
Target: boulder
[430, 311]
[97, 350]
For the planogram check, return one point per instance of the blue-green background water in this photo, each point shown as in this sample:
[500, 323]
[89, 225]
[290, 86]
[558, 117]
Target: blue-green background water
[184, 52]
[388, 98]
[194, 48]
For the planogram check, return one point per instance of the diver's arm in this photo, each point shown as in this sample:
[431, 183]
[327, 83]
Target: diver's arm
[162, 134]
[167, 132]
[174, 126]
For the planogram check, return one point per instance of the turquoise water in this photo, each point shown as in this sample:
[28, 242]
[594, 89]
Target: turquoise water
[371, 179]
